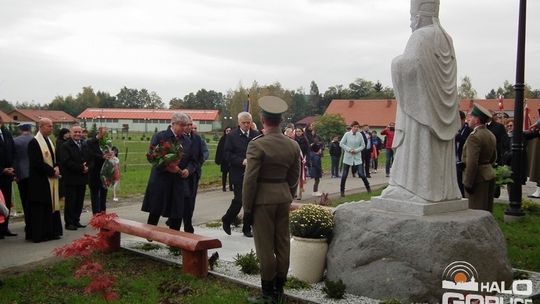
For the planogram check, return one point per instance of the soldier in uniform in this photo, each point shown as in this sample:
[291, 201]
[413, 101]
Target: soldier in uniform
[479, 156]
[270, 182]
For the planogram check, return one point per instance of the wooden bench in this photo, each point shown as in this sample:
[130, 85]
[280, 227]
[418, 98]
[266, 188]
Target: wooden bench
[194, 247]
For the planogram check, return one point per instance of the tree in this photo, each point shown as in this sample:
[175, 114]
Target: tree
[466, 90]
[105, 100]
[361, 88]
[128, 98]
[203, 99]
[176, 103]
[6, 106]
[330, 125]
[535, 94]
[492, 94]
[315, 99]
[378, 87]
[300, 106]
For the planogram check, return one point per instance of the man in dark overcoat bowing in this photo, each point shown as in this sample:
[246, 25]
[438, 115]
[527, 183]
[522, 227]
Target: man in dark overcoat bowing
[166, 190]
[45, 222]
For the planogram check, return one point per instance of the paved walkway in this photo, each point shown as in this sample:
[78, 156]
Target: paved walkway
[210, 206]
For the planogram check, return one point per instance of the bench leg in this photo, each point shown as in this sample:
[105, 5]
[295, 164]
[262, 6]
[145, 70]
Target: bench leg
[195, 263]
[112, 238]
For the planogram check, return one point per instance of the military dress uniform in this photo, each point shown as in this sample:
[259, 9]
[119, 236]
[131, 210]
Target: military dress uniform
[479, 156]
[270, 181]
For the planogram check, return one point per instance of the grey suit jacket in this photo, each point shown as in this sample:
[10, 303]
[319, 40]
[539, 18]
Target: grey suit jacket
[21, 163]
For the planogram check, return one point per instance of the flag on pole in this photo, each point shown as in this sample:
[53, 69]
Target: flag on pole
[526, 118]
[246, 107]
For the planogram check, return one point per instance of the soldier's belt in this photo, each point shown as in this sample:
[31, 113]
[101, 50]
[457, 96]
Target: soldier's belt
[268, 180]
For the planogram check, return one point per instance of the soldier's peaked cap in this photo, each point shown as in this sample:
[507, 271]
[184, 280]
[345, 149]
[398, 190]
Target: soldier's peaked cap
[480, 111]
[272, 106]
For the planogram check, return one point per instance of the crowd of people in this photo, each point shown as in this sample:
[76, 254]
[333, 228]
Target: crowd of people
[483, 143]
[48, 174]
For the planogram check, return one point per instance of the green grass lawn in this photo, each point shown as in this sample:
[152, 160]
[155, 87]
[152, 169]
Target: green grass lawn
[135, 169]
[140, 280]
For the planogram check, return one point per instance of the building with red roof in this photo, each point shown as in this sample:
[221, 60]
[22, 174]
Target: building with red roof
[377, 113]
[60, 119]
[146, 120]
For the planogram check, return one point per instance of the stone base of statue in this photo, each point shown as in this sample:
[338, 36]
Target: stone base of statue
[397, 199]
[389, 255]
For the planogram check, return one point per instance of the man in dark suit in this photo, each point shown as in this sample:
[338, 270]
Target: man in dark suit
[198, 156]
[235, 153]
[22, 165]
[461, 137]
[479, 155]
[7, 172]
[366, 153]
[95, 158]
[75, 176]
[503, 144]
[45, 222]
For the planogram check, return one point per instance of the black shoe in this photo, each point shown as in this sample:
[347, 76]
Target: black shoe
[226, 226]
[224, 189]
[189, 229]
[56, 237]
[248, 234]
[9, 233]
[342, 193]
[71, 227]
[79, 225]
[368, 188]
[230, 188]
[369, 176]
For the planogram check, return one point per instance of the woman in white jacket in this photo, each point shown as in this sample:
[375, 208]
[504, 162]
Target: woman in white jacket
[352, 144]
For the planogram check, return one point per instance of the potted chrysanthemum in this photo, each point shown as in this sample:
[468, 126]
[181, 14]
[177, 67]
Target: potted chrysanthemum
[310, 227]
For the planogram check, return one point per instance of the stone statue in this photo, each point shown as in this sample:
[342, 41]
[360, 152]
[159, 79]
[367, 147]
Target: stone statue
[424, 79]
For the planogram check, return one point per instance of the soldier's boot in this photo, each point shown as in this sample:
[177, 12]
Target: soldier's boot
[226, 224]
[368, 188]
[246, 229]
[267, 296]
[279, 283]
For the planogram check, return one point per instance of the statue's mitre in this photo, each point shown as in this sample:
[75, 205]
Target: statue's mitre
[429, 8]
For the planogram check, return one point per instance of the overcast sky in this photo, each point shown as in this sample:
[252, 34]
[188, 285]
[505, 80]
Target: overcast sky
[174, 47]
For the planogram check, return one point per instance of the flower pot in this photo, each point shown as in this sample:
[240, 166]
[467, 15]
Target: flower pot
[308, 258]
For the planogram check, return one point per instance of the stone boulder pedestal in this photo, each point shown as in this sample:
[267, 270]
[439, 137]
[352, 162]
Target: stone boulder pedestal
[392, 255]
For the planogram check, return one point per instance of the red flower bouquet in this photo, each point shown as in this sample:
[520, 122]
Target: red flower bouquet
[165, 153]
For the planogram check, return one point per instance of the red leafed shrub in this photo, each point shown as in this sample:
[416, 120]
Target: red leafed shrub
[83, 248]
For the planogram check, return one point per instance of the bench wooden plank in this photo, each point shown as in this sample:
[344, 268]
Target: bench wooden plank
[194, 247]
[179, 239]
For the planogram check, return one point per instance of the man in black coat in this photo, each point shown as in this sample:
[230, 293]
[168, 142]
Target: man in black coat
[75, 176]
[167, 187]
[95, 158]
[235, 153]
[45, 222]
[197, 158]
[7, 173]
[22, 165]
[503, 144]
[461, 137]
[366, 153]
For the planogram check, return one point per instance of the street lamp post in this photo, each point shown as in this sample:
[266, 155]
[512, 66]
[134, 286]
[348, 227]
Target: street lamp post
[514, 212]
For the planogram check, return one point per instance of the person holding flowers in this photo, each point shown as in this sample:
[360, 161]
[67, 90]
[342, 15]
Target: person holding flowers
[96, 155]
[166, 190]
